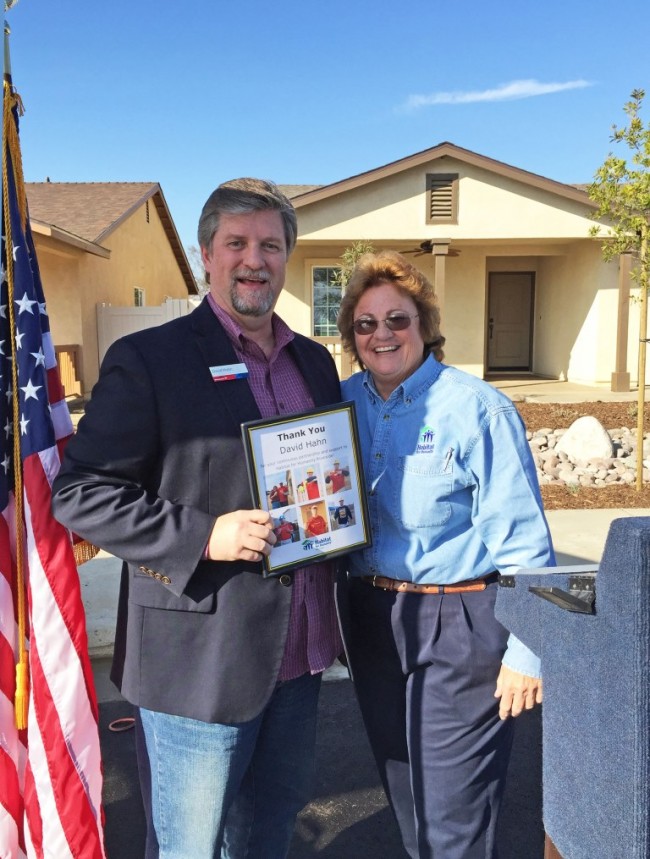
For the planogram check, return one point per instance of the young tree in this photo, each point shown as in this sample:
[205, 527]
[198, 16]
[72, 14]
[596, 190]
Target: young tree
[349, 259]
[621, 189]
[196, 264]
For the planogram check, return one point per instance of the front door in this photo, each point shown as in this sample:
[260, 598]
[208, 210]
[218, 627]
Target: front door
[510, 320]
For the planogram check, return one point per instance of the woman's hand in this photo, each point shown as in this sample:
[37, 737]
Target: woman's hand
[517, 692]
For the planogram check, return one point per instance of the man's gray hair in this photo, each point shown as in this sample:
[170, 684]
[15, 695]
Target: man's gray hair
[241, 197]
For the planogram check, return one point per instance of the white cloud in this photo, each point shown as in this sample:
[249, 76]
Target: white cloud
[504, 92]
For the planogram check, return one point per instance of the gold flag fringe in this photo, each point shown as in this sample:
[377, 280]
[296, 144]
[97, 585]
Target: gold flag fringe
[84, 551]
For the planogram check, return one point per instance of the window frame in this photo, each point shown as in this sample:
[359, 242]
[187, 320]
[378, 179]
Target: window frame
[310, 265]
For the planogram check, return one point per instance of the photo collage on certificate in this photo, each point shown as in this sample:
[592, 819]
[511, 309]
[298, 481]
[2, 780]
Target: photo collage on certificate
[307, 474]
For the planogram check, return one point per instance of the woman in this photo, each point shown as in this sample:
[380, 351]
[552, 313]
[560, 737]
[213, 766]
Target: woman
[453, 500]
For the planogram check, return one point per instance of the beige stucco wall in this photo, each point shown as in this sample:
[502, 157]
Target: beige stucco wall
[59, 266]
[575, 319]
[74, 282]
[504, 224]
[491, 207]
[141, 256]
[463, 312]
[575, 304]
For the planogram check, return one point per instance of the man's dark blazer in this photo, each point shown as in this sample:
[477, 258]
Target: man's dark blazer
[157, 458]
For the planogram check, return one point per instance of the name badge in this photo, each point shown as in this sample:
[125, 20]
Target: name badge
[228, 372]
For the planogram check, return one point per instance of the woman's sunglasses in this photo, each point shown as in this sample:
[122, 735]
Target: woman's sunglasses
[395, 322]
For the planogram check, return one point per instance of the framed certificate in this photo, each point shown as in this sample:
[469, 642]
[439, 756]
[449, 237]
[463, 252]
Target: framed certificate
[305, 470]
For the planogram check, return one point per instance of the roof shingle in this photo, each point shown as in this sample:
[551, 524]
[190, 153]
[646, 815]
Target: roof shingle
[89, 209]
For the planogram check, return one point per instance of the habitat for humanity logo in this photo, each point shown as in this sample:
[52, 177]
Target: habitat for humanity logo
[312, 543]
[425, 441]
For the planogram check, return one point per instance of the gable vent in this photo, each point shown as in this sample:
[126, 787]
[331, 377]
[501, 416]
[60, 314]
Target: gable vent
[442, 198]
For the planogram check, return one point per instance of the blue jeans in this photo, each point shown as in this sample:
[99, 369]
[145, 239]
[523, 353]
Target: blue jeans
[231, 791]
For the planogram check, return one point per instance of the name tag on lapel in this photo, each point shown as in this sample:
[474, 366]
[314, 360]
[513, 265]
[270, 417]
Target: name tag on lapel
[228, 372]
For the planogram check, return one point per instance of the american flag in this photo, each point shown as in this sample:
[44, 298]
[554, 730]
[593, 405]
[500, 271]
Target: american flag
[50, 770]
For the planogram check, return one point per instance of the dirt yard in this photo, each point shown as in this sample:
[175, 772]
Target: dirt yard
[537, 416]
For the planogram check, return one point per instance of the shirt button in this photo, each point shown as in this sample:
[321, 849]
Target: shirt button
[286, 579]
[386, 417]
[378, 455]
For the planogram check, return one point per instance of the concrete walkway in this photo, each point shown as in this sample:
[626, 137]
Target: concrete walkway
[531, 390]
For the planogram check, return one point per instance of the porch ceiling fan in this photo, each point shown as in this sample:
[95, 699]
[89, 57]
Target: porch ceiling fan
[426, 247]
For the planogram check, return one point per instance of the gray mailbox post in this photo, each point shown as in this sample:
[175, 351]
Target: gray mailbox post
[592, 632]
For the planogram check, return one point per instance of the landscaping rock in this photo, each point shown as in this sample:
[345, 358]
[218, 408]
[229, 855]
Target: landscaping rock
[586, 439]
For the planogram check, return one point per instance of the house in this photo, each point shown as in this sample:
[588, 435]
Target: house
[521, 283]
[101, 244]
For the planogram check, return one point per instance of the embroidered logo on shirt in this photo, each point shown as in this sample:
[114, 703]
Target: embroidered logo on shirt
[426, 440]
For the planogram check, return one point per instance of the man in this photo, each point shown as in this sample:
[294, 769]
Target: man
[316, 524]
[343, 514]
[310, 485]
[223, 664]
[336, 478]
[283, 493]
[284, 532]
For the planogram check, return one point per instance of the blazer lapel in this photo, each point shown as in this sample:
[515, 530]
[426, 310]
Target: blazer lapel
[235, 396]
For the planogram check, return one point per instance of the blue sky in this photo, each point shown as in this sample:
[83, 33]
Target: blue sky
[191, 94]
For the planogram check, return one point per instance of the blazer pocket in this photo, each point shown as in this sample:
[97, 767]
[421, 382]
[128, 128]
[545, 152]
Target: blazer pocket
[147, 592]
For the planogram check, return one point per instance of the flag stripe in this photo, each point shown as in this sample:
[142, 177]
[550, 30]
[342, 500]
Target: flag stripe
[11, 844]
[33, 832]
[42, 818]
[54, 387]
[62, 641]
[61, 595]
[7, 662]
[10, 798]
[70, 826]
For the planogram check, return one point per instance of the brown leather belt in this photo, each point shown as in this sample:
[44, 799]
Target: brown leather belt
[467, 586]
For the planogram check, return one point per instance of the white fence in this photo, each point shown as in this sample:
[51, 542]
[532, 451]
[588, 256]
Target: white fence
[115, 322]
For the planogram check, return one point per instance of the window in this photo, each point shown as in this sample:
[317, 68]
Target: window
[326, 292]
[442, 198]
[138, 297]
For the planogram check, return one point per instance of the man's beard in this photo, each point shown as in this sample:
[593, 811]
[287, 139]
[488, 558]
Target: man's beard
[256, 304]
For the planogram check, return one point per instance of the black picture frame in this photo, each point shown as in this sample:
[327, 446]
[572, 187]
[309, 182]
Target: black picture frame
[304, 461]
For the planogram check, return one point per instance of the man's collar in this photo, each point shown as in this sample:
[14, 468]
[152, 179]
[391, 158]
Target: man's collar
[282, 334]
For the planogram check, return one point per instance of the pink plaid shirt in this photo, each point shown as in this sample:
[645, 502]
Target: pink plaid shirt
[313, 639]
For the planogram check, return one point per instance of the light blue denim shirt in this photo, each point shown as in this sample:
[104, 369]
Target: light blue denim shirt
[452, 488]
